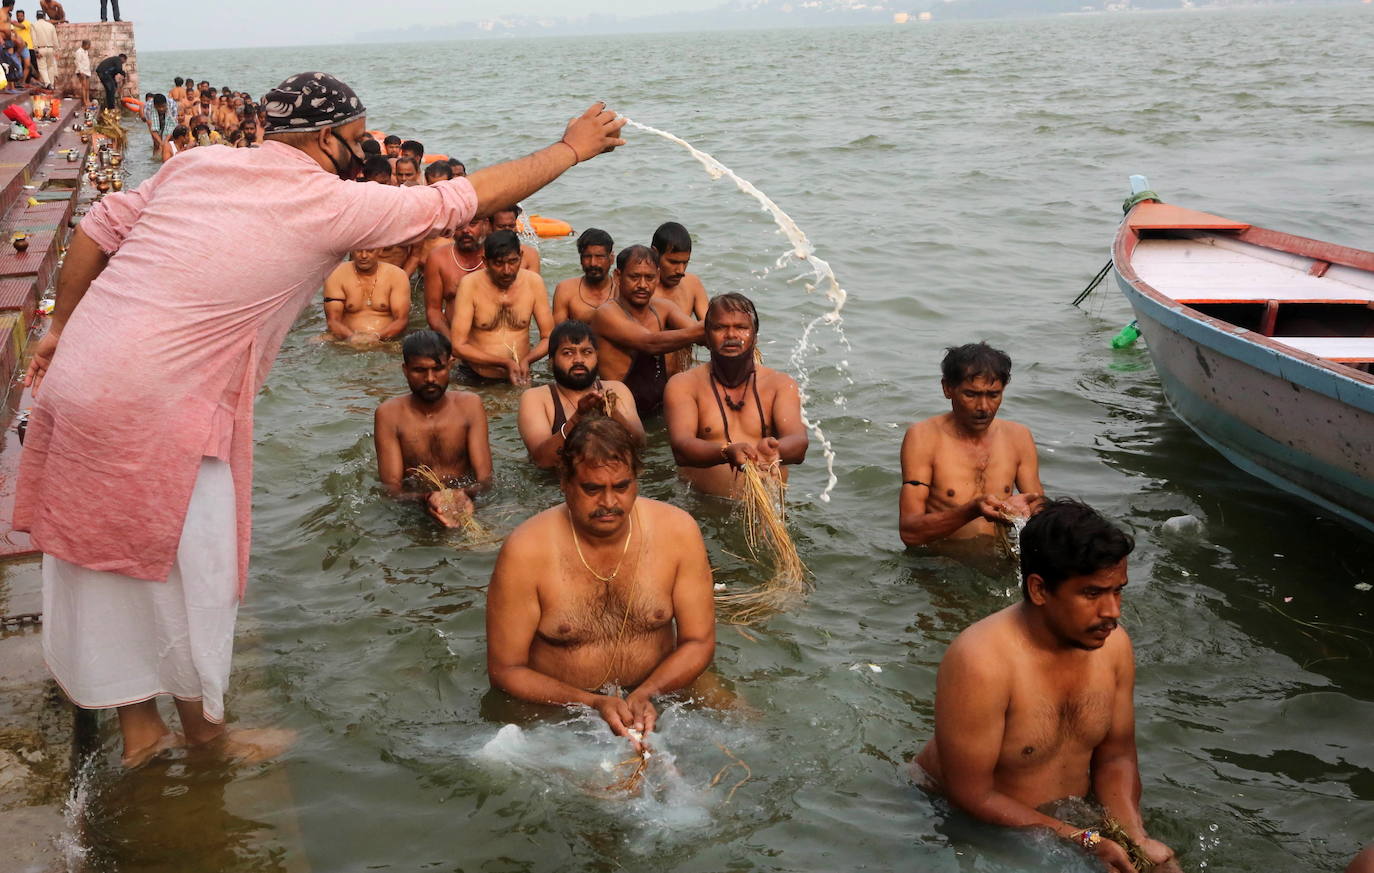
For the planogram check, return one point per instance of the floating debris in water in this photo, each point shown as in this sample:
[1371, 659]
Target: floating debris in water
[1363, 586]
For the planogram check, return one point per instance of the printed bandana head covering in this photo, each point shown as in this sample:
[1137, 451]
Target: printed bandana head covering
[310, 101]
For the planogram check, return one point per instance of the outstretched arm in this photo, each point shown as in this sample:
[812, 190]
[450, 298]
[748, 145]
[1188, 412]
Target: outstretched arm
[614, 325]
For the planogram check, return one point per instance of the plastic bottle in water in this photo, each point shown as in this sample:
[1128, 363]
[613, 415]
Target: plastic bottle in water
[1128, 335]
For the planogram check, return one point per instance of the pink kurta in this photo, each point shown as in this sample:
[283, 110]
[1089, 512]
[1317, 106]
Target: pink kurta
[212, 259]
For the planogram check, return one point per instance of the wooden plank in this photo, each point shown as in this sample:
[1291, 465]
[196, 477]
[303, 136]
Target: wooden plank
[1345, 349]
[1309, 248]
[1166, 216]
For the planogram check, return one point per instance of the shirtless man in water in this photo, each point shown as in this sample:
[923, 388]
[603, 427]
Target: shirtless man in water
[959, 469]
[446, 266]
[431, 426]
[548, 412]
[366, 300]
[636, 329]
[492, 314]
[577, 298]
[732, 411]
[509, 219]
[1035, 703]
[674, 246]
[601, 593]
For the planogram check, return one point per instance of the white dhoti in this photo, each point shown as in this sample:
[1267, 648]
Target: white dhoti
[112, 640]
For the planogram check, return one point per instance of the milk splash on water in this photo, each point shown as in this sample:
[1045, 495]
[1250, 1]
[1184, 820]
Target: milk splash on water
[801, 250]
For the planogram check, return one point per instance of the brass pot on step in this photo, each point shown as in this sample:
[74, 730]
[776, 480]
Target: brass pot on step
[20, 241]
[117, 183]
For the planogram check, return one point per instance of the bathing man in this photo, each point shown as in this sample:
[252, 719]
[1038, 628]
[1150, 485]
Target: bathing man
[959, 469]
[636, 329]
[549, 412]
[602, 592]
[1034, 703]
[446, 431]
[509, 219]
[366, 300]
[577, 298]
[446, 266]
[732, 411]
[674, 246]
[492, 313]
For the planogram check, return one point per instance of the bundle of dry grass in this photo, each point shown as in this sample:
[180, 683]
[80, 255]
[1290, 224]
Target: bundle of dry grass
[763, 510]
[448, 509]
[1112, 830]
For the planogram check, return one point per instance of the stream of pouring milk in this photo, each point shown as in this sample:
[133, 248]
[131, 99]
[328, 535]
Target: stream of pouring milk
[801, 250]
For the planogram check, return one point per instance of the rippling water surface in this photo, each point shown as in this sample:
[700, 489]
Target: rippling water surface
[964, 180]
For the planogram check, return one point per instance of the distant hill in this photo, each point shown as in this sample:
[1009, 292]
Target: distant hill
[745, 14]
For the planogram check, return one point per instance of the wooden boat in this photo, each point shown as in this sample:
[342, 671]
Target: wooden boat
[1263, 342]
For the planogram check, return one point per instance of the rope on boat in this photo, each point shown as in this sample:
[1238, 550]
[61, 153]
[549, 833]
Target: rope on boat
[1140, 198]
[1092, 286]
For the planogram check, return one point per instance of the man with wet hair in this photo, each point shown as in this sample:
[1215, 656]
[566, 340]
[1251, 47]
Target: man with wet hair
[635, 329]
[392, 146]
[459, 168]
[509, 219]
[961, 471]
[144, 506]
[492, 313]
[413, 149]
[1034, 704]
[372, 149]
[366, 300]
[447, 265]
[577, 392]
[377, 169]
[674, 246]
[732, 410]
[578, 297]
[605, 593]
[434, 427]
[438, 172]
[407, 171]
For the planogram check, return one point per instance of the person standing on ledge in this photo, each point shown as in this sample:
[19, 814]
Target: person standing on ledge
[142, 507]
[959, 469]
[104, 7]
[1034, 705]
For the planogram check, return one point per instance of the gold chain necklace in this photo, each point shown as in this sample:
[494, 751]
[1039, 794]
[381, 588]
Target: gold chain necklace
[614, 573]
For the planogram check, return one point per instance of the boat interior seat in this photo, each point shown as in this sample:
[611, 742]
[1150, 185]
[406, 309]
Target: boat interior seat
[1345, 349]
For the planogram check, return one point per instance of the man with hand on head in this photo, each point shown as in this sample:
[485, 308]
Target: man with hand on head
[145, 505]
[548, 412]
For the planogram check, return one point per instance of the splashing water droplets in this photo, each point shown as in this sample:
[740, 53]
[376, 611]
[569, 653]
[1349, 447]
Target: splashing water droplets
[821, 276]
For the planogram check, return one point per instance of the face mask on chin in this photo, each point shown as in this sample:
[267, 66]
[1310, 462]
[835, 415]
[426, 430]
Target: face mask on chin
[352, 165]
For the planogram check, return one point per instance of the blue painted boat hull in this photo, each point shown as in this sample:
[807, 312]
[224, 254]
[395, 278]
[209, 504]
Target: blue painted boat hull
[1296, 422]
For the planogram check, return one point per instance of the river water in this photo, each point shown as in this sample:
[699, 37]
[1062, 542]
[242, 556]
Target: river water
[964, 181]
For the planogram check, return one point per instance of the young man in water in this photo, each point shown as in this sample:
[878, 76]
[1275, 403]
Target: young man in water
[447, 265]
[509, 219]
[391, 146]
[431, 426]
[577, 298]
[635, 329]
[492, 314]
[674, 246]
[732, 411]
[959, 469]
[601, 593]
[366, 300]
[407, 172]
[1034, 703]
[548, 412]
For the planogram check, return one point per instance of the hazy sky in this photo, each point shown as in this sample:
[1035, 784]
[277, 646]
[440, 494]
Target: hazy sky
[162, 25]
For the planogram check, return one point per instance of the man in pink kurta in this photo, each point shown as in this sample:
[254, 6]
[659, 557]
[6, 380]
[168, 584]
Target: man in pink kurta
[154, 379]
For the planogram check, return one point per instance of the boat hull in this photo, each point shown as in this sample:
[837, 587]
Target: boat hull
[1299, 425]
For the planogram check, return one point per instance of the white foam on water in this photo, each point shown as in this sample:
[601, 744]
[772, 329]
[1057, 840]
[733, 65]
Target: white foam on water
[577, 758]
[69, 845]
[821, 275]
